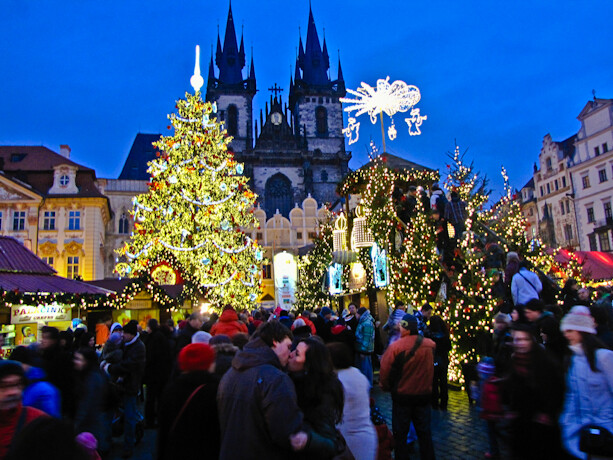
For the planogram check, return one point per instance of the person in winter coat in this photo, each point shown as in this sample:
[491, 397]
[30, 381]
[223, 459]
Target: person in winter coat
[589, 380]
[189, 425]
[130, 370]
[410, 383]
[37, 393]
[192, 325]
[511, 269]
[525, 285]
[224, 353]
[57, 364]
[570, 294]
[439, 332]
[533, 390]
[256, 400]
[455, 212]
[320, 396]
[323, 323]
[365, 342]
[158, 366]
[228, 324]
[91, 391]
[301, 330]
[392, 326]
[438, 200]
[356, 425]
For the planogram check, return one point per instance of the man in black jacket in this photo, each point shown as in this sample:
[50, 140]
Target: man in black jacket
[157, 369]
[130, 370]
[258, 410]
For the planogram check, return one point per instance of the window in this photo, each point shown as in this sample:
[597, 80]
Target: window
[299, 235]
[321, 120]
[605, 244]
[586, 181]
[531, 213]
[590, 215]
[607, 211]
[72, 267]
[74, 220]
[568, 232]
[605, 148]
[555, 184]
[278, 195]
[312, 235]
[324, 176]
[596, 150]
[64, 179]
[564, 182]
[562, 207]
[592, 240]
[0, 220]
[266, 271]
[548, 188]
[548, 164]
[232, 123]
[49, 220]
[542, 191]
[567, 205]
[123, 224]
[259, 236]
[48, 260]
[19, 220]
[602, 175]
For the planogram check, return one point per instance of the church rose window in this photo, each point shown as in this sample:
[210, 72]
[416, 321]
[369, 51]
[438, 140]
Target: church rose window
[232, 123]
[321, 120]
[278, 195]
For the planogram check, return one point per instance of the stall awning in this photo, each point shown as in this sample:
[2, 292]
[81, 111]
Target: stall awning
[26, 283]
[596, 265]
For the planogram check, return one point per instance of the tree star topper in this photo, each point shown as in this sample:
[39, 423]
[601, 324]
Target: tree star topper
[388, 98]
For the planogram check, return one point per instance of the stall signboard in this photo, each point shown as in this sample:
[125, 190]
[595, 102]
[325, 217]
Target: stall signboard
[22, 314]
[286, 274]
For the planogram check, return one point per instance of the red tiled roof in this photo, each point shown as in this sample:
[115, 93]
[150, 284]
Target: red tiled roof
[32, 283]
[15, 257]
[33, 158]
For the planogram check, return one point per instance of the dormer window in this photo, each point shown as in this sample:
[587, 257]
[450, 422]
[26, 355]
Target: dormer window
[17, 157]
[64, 180]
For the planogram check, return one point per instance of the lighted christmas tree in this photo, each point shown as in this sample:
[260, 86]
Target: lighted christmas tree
[417, 272]
[197, 204]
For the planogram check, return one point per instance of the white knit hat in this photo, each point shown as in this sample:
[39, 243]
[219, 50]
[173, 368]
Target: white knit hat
[578, 319]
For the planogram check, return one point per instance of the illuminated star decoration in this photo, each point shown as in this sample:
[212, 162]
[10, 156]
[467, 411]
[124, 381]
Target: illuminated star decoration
[388, 98]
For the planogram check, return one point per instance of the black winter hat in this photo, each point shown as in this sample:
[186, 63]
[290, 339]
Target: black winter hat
[131, 328]
[9, 367]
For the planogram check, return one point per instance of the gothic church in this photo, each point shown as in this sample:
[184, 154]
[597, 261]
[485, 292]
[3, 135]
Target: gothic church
[297, 149]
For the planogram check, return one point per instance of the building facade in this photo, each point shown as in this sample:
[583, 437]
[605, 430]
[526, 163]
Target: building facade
[592, 175]
[54, 207]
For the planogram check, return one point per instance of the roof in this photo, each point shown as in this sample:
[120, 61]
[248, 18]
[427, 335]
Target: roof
[22, 271]
[15, 257]
[596, 265]
[394, 162]
[33, 158]
[30, 283]
[529, 184]
[141, 153]
[567, 146]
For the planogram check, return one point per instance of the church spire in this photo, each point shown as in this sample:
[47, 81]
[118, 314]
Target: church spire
[315, 63]
[229, 59]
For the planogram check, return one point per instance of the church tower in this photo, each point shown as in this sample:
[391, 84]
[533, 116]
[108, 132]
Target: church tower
[318, 114]
[233, 94]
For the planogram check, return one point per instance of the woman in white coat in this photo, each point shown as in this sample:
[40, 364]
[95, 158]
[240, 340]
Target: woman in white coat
[356, 426]
[589, 380]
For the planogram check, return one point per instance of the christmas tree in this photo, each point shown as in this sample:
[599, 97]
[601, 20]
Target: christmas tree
[197, 204]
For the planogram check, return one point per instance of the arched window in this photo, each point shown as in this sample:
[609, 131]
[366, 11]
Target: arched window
[232, 120]
[278, 195]
[321, 120]
[324, 176]
[123, 224]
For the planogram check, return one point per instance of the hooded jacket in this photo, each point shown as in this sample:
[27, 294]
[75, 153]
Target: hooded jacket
[257, 396]
[132, 366]
[41, 394]
[365, 334]
[228, 324]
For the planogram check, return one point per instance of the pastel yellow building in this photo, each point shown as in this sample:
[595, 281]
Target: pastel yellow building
[53, 206]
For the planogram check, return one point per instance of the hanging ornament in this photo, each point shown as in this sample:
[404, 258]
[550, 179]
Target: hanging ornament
[225, 225]
[391, 131]
[223, 187]
[206, 261]
[340, 233]
[214, 107]
[173, 179]
[361, 237]
[240, 168]
[252, 297]
[259, 255]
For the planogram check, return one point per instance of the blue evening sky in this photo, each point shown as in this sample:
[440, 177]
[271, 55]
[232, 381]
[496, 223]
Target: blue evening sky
[495, 76]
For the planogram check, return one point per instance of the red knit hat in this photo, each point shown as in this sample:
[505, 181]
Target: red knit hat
[196, 357]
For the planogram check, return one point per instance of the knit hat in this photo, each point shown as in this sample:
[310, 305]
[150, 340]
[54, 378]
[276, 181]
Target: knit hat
[9, 367]
[325, 311]
[219, 338]
[578, 319]
[409, 322]
[115, 338]
[131, 328]
[115, 327]
[196, 357]
[362, 310]
[201, 337]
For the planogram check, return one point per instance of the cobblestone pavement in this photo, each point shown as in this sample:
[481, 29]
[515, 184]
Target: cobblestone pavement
[458, 433]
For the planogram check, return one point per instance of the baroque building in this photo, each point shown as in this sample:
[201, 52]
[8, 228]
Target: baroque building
[54, 207]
